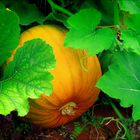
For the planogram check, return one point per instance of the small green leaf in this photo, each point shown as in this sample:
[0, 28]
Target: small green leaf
[26, 77]
[81, 19]
[9, 29]
[84, 35]
[130, 41]
[122, 81]
[129, 6]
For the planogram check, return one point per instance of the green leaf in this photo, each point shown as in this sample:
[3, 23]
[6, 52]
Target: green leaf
[88, 4]
[9, 29]
[131, 36]
[81, 19]
[105, 58]
[133, 22]
[28, 13]
[94, 42]
[26, 77]
[130, 6]
[9, 2]
[122, 81]
[83, 33]
[2, 6]
[130, 41]
[107, 9]
[58, 17]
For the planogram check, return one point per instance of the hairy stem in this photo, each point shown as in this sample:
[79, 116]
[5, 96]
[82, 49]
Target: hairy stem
[59, 8]
[121, 117]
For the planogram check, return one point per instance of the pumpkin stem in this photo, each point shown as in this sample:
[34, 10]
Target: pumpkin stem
[68, 109]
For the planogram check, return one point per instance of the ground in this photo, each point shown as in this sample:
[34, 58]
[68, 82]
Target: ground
[83, 128]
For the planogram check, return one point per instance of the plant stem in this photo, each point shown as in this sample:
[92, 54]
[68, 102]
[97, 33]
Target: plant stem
[59, 8]
[121, 117]
[116, 13]
[110, 26]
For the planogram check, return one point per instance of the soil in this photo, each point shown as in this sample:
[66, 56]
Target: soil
[13, 128]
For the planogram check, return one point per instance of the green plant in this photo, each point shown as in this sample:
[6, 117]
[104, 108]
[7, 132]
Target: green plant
[108, 29]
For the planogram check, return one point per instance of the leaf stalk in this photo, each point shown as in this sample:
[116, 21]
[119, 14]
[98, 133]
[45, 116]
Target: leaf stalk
[59, 8]
[121, 117]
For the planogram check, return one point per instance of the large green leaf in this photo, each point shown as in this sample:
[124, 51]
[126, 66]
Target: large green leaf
[131, 41]
[26, 77]
[131, 35]
[2, 6]
[122, 81]
[9, 33]
[84, 35]
[131, 6]
[107, 9]
[133, 22]
[28, 13]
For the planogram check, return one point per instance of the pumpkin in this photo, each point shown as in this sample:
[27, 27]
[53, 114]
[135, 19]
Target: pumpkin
[74, 88]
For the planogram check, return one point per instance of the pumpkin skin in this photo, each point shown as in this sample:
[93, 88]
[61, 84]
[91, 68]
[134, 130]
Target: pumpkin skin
[74, 88]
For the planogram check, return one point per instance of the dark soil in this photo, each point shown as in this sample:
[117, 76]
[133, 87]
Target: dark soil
[14, 128]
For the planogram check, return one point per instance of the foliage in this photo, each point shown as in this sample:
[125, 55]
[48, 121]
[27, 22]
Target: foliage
[27, 12]
[86, 36]
[108, 29]
[26, 76]
[8, 41]
[121, 39]
[126, 84]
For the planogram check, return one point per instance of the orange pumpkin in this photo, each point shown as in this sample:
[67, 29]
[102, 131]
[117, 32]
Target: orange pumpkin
[74, 88]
